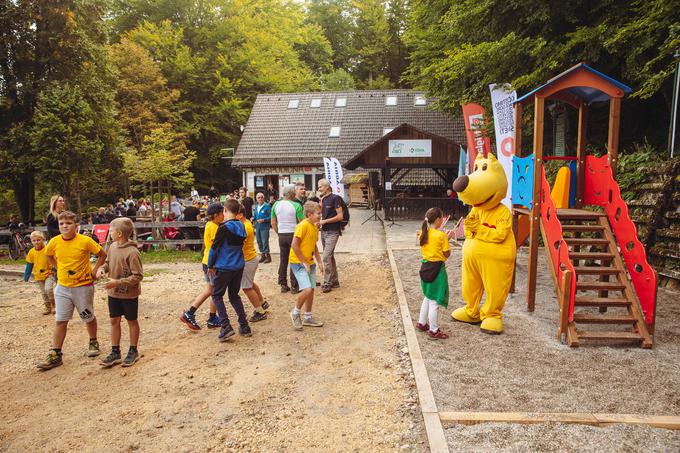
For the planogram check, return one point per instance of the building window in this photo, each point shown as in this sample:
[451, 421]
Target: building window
[341, 102]
[293, 103]
[420, 100]
[391, 100]
[316, 103]
[387, 130]
[335, 131]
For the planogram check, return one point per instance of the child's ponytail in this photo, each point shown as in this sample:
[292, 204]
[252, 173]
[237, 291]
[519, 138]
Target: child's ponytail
[423, 232]
[431, 215]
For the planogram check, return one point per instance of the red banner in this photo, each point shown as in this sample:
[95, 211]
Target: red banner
[477, 142]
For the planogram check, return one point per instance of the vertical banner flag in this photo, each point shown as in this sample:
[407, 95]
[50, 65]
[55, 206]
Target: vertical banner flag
[463, 168]
[502, 97]
[333, 171]
[473, 114]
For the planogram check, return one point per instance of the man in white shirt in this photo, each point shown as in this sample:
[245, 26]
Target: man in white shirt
[285, 216]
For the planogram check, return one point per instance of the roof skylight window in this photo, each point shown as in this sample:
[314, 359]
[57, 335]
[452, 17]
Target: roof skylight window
[391, 100]
[387, 130]
[341, 102]
[315, 104]
[420, 100]
[335, 131]
[293, 103]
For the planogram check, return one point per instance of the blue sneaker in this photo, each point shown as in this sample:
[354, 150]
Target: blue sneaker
[226, 332]
[189, 320]
[213, 322]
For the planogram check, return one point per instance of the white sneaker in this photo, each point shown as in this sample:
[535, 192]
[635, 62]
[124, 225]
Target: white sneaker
[312, 322]
[297, 321]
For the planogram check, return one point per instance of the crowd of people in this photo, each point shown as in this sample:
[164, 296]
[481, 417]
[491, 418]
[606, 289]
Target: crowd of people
[60, 264]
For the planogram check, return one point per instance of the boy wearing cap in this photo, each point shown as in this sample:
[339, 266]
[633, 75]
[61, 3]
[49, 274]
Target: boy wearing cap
[215, 213]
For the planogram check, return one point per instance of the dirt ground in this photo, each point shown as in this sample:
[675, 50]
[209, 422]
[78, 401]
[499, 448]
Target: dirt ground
[527, 369]
[345, 387]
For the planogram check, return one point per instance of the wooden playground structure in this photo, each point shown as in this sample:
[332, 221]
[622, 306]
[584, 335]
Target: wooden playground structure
[598, 264]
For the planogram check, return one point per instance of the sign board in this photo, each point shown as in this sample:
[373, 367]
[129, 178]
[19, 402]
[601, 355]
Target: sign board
[410, 148]
[333, 173]
[502, 97]
[478, 143]
[296, 178]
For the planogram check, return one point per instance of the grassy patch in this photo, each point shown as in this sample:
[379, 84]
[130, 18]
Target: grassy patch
[6, 261]
[153, 272]
[171, 256]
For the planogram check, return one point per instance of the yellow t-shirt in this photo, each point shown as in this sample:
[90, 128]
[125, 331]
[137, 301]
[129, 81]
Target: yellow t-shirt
[41, 267]
[436, 245]
[249, 244]
[208, 239]
[308, 233]
[73, 259]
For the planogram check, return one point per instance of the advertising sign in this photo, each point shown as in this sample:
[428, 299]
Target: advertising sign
[478, 143]
[502, 97]
[410, 148]
[333, 171]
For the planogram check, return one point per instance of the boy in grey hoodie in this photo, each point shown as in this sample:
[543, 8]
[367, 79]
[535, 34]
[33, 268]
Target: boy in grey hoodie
[124, 266]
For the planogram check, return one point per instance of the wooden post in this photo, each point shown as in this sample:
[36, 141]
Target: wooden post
[534, 218]
[518, 153]
[581, 154]
[564, 304]
[518, 129]
[613, 137]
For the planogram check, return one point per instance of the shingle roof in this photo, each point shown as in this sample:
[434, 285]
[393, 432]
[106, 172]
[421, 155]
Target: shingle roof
[276, 135]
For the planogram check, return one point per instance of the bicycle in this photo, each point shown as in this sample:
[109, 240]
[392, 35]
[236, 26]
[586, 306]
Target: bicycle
[19, 243]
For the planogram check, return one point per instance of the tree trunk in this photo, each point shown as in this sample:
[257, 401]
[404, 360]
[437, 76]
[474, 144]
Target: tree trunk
[76, 190]
[24, 195]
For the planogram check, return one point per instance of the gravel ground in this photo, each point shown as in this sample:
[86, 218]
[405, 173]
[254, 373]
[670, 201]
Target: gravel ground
[527, 369]
[345, 387]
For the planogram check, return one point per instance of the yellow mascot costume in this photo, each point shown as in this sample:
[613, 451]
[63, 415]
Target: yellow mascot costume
[489, 249]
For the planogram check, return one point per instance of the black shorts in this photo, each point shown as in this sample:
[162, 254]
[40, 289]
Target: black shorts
[123, 307]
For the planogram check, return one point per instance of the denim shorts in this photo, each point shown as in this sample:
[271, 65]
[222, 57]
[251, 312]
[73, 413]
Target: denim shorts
[305, 279]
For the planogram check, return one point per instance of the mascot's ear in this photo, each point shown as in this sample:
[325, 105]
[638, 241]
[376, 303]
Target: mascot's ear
[490, 156]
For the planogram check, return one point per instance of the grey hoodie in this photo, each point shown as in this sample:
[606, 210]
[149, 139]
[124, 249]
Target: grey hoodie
[124, 263]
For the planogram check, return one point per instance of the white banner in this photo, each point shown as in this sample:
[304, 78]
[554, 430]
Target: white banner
[333, 171]
[502, 97]
[410, 148]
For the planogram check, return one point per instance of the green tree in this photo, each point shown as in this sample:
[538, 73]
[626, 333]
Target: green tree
[338, 80]
[143, 99]
[458, 48]
[40, 43]
[64, 135]
[336, 19]
[371, 40]
[397, 55]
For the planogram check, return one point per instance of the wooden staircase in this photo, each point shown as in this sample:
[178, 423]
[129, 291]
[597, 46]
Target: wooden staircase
[605, 307]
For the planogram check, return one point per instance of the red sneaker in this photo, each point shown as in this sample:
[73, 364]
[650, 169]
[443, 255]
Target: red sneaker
[422, 327]
[438, 335]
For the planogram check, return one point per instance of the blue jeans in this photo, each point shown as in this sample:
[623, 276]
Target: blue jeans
[262, 236]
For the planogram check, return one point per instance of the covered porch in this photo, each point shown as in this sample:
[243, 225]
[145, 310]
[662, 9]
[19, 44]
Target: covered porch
[410, 171]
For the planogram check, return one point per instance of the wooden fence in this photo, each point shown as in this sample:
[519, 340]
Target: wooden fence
[415, 208]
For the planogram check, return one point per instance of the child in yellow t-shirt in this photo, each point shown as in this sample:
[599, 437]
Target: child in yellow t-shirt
[70, 254]
[248, 285]
[302, 254]
[37, 264]
[434, 247]
[215, 213]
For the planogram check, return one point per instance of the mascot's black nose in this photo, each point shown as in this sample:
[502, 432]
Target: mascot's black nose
[460, 183]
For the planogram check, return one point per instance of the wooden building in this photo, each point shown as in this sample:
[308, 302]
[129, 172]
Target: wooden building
[397, 156]
[288, 135]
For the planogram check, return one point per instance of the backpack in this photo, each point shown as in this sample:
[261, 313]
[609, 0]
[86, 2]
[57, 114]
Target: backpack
[345, 212]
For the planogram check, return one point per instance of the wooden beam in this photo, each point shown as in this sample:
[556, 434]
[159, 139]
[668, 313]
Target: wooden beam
[428, 406]
[581, 153]
[613, 136]
[564, 305]
[581, 418]
[518, 130]
[534, 218]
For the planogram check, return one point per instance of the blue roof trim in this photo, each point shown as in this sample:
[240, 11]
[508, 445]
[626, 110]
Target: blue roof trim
[585, 93]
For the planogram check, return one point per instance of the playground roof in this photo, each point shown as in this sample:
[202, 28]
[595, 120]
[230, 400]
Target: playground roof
[579, 83]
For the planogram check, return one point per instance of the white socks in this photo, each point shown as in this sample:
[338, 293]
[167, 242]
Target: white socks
[429, 313]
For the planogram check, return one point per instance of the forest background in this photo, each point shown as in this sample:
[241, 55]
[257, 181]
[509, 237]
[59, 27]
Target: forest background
[100, 98]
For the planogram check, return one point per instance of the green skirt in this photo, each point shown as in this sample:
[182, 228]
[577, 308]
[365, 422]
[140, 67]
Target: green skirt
[438, 290]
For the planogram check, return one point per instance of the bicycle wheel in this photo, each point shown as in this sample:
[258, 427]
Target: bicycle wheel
[14, 249]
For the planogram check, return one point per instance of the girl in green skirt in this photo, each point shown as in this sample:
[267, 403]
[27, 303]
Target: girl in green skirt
[434, 246]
